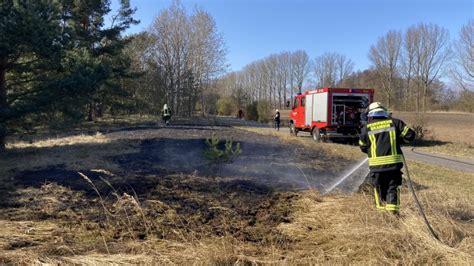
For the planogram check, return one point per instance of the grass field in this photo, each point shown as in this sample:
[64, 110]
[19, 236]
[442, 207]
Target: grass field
[183, 218]
[449, 133]
[448, 127]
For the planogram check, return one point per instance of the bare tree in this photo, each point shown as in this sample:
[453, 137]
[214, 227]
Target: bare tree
[325, 70]
[384, 56]
[431, 52]
[300, 65]
[283, 77]
[408, 64]
[287, 70]
[191, 54]
[171, 32]
[208, 52]
[330, 69]
[463, 70]
[345, 68]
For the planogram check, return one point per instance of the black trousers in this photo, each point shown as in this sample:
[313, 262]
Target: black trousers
[387, 189]
[277, 124]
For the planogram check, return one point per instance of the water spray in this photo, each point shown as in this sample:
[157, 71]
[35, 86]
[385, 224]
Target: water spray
[346, 176]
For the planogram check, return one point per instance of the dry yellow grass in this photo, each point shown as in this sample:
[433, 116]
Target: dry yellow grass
[451, 149]
[436, 177]
[74, 151]
[335, 229]
[83, 156]
[349, 230]
[98, 138]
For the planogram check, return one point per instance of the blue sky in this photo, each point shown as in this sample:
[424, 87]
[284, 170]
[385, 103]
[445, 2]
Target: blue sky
[255, 29]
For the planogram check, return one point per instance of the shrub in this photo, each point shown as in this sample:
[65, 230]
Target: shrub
[251, 112]
[258, 111]
[226, 106]
[264, 111]
[420, 126]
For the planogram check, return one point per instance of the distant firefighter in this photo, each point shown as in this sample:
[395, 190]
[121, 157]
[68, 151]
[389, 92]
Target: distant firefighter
[240, 114]
[276, 118]
[166, 114]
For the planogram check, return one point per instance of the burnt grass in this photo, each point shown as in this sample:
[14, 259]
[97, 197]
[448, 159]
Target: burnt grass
[166, 190]
[171, 207]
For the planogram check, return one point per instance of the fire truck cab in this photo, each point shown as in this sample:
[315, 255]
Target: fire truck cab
[330, 113]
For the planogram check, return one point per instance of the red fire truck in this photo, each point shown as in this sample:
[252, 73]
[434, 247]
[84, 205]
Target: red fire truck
[329, 113]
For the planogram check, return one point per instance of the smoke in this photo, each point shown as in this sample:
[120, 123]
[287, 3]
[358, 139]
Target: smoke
[289, 168]
[263, 161]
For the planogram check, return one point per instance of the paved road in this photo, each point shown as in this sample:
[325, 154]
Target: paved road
[456, 163]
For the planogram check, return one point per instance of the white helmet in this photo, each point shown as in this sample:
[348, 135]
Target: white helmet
[377, 109]
[276, 110]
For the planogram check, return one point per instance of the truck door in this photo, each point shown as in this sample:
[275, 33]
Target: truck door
[308, 118]
[298, 111]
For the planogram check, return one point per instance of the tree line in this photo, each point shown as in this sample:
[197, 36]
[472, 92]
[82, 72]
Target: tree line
[272, 79]
[65, 61]
[414, 70]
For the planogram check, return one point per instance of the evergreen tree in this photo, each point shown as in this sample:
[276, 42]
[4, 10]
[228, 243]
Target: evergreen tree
[30, 55]
[104, 44]
[56, 57]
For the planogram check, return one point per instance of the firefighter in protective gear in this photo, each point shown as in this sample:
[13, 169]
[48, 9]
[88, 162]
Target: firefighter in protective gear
[166, 114]
[276, 120]
[381, 139]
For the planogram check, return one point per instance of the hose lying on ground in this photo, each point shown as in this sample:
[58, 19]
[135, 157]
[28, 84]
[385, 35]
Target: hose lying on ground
[420, 208]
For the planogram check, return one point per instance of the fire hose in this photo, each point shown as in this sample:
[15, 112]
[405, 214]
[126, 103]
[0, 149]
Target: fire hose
[418, 204]
[410, 186]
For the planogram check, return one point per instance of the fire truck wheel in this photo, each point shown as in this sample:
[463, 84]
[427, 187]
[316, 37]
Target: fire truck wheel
[316, 134]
